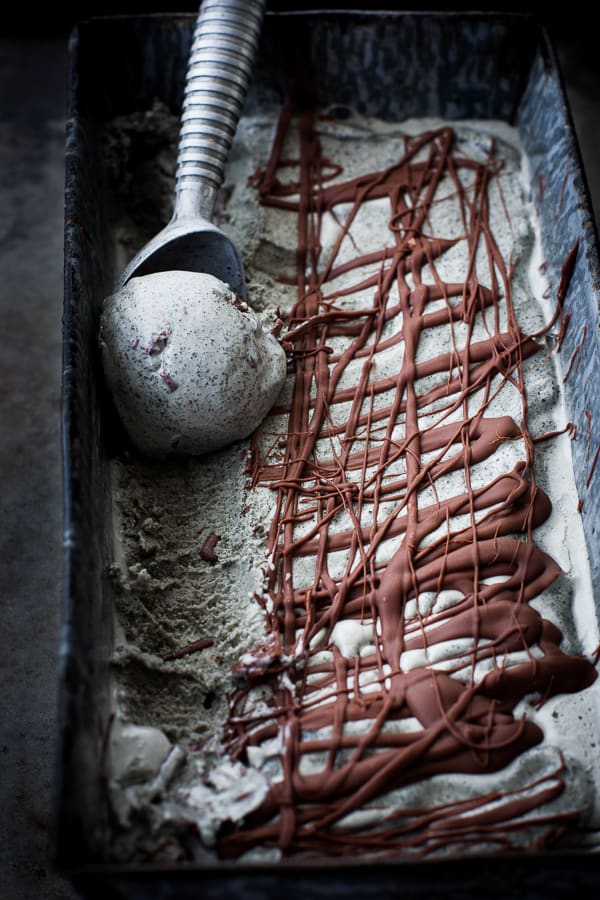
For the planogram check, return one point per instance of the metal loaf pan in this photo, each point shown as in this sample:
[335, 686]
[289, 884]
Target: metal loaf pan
[386, 64]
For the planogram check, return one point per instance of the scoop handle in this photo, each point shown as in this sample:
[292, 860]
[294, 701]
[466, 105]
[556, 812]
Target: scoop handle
[223, 51]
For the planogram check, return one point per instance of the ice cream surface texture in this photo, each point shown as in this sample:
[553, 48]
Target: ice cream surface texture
[190, 366]
[370, 630]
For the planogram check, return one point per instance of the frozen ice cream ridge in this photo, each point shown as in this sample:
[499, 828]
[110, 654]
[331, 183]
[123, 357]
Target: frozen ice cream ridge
[190, 366]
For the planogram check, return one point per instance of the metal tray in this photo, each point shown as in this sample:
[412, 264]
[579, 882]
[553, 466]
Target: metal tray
[386, 64]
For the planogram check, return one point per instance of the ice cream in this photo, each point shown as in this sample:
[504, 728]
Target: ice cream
[411, 675]
[190, 366]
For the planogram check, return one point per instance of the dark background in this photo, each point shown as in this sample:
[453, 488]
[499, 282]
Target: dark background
[564, 19]
[568, 24]
[33, 79]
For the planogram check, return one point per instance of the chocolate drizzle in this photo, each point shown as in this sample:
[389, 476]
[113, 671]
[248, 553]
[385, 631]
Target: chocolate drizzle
[441, 584]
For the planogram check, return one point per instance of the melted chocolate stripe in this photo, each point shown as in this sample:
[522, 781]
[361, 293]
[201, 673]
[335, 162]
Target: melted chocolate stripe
[353, 482]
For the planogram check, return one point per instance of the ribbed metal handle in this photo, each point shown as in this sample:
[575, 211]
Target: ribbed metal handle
[223, 50]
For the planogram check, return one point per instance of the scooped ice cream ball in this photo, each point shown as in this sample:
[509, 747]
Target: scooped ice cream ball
[190, 367]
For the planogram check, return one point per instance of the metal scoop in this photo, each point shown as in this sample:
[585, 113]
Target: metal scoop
[223, 51]
[190, 367]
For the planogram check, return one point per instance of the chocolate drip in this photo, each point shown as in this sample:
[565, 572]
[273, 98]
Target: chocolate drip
[447, 600]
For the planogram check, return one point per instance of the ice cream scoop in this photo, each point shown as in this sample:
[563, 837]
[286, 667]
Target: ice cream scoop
[178, 378]
[190, 366]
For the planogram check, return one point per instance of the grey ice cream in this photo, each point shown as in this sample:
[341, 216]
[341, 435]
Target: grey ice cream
[190, 366]
[167, 596]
